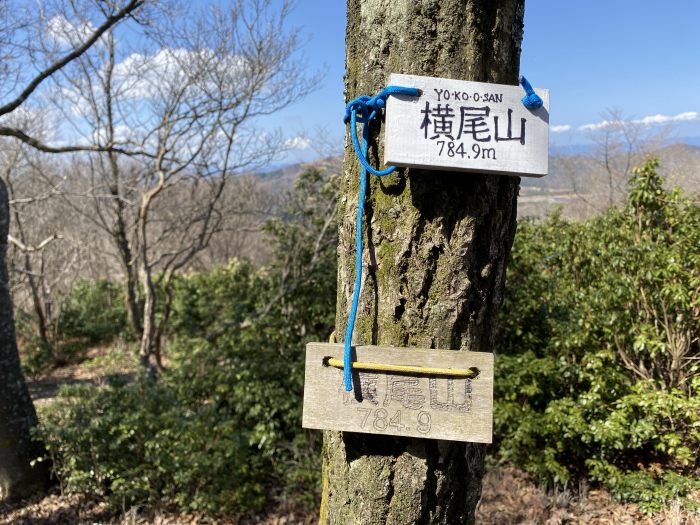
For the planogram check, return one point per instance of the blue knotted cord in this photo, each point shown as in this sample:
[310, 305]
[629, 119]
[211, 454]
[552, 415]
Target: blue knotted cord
[363, 109]
[531, 100]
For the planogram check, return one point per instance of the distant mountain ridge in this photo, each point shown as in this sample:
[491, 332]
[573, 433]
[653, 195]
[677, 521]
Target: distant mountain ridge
[572, 177]
[679, 162]
[283, 178]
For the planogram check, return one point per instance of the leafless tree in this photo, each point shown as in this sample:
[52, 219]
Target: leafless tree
[24, 71]
[27, 256]
[304, 235]
[20, 30]
[49, 248]
[620, 143]
[173, 122]
[251, 201]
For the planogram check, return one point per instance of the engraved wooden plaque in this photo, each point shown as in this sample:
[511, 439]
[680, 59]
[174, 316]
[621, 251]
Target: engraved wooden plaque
[466, 126]
[400, 404]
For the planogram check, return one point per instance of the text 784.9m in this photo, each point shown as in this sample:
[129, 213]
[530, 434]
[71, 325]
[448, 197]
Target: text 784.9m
[453, 149]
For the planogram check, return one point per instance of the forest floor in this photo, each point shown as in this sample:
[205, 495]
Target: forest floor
[509, 497]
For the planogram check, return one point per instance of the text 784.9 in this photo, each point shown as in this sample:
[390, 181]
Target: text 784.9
[380, 420]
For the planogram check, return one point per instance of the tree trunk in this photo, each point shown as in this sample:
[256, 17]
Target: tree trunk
[120, 230]
[148, 336]
[434, 258]
[126, 257]
[17, 416]
[133, 304]
[149, 288]
[37, 302]
[163, 322]
[134, 307]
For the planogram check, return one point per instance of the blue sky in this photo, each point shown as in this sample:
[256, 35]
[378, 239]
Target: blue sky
[641, 57]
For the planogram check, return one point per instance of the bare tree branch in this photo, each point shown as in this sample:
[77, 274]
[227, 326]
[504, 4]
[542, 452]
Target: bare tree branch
[38, 247]
[41, 146]
[111, 21]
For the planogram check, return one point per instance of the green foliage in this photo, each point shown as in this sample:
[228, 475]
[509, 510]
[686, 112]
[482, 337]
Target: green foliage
[653, 489]
[138, 443]
[598, 365]
[242, 333]
[221, 428]
[305, 240]
[201, 300]
[37, 356]
[94, 312]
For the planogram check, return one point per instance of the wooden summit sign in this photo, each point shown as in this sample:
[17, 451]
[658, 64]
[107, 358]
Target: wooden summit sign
[469, 126]
[404, 399]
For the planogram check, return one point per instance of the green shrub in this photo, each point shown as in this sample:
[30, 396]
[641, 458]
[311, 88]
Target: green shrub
[203, 301]
[37, 356]
[94, 312]
[220, 430]
[216, 433]
[599, 343]
[138, 443]
[654, 489]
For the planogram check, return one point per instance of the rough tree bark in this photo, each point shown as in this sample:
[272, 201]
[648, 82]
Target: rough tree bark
[17, 416]
[434, 258]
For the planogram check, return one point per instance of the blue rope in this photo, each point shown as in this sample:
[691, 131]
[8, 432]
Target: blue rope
[363, 110]
[531, 100]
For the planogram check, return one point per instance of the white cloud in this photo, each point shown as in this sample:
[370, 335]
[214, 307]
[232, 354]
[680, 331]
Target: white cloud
[650, 120]
[298, 143]
[688, 115]
[122, 134]
[67, 33]
[42, 123]
[662, 119]
[143, 76]
[600, 125]
[560, 129]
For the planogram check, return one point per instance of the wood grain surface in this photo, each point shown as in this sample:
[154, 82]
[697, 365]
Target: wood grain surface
[466, 126]
[418, 405]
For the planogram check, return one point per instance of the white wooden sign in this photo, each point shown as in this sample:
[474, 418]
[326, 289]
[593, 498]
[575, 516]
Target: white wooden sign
[404, 403]
[469, 126]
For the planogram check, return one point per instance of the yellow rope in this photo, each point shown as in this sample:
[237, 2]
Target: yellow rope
[405, 369]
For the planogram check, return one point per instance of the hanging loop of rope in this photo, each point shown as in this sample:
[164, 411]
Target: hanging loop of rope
[363, 110]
